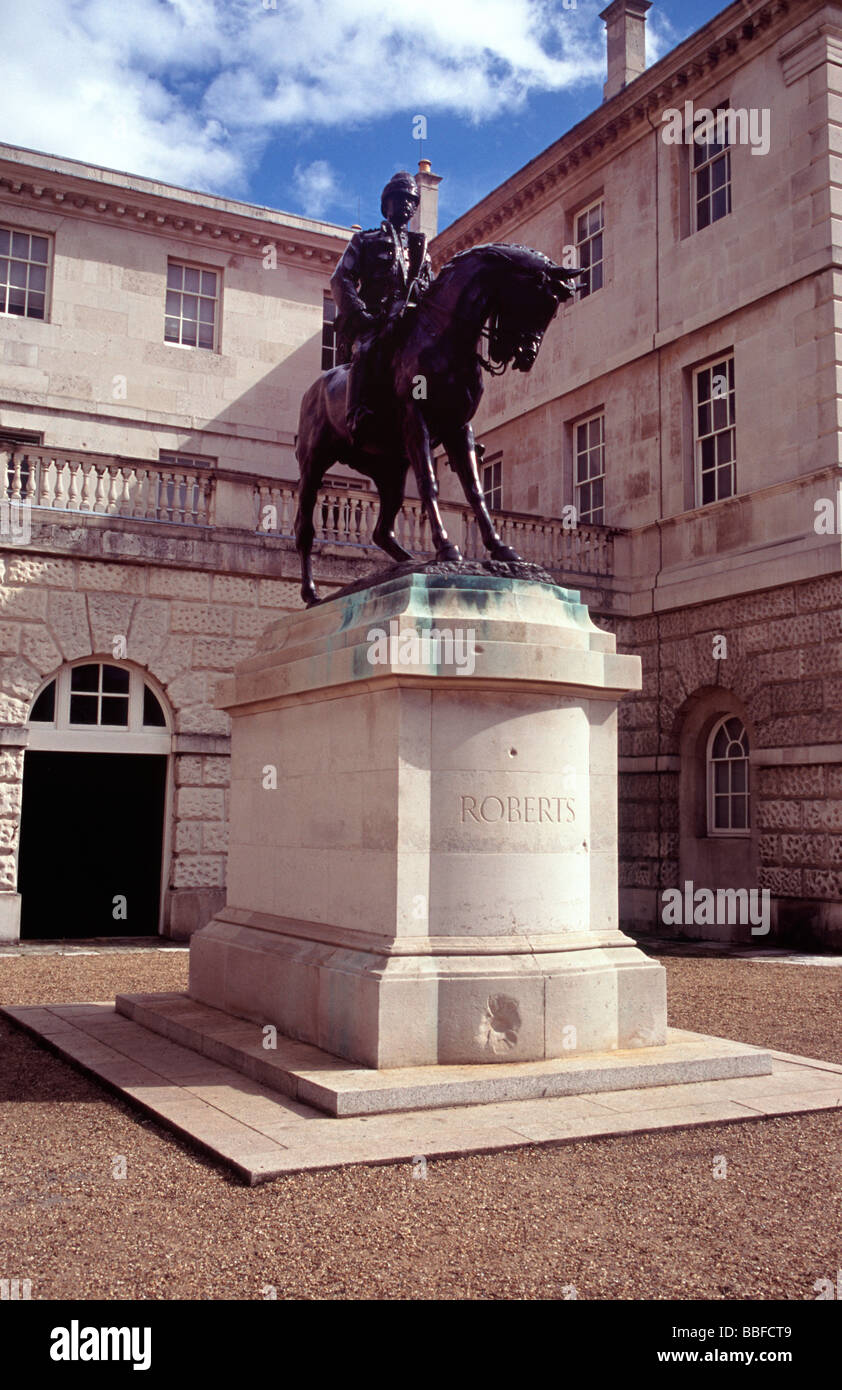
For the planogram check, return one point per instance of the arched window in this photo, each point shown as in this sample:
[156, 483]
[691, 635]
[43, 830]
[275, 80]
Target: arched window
[97, 698]
[727, 777]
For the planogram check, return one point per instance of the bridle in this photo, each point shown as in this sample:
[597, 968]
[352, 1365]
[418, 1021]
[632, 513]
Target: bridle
[488, 332]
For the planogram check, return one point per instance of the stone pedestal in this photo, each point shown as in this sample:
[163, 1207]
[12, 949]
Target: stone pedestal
[423, 855]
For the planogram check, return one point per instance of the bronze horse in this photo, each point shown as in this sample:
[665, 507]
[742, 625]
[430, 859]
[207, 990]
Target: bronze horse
[431, 385]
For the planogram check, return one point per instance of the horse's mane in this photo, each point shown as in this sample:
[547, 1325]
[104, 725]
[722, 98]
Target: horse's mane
[522, 256]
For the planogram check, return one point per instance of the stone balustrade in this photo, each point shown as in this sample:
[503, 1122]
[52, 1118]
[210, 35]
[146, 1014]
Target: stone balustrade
[67, 481]
[77, 482]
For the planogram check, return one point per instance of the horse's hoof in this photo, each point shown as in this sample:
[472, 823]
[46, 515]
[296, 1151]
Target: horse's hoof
[309, 595]
[504, 552]
[392, 548]
[449, 552]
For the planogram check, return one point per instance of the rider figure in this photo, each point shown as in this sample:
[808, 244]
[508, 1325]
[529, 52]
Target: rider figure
[380, 272]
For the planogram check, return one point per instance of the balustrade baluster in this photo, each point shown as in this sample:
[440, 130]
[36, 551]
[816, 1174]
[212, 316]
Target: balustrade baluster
[113, 474]
[87, 489]
[73, 487]
[99, 492]
[12, 477]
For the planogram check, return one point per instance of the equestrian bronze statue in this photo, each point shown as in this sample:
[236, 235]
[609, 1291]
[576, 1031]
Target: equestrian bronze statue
[414, 379]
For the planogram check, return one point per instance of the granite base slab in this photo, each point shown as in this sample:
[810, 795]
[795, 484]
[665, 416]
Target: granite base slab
[341, 1088]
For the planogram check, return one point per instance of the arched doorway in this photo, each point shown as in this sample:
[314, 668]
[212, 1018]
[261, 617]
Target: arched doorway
[96, 795]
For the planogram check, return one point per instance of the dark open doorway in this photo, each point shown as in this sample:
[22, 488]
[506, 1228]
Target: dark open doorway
[92, 832]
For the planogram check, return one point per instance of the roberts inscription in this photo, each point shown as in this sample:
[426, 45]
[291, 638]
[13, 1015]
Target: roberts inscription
[530, 810]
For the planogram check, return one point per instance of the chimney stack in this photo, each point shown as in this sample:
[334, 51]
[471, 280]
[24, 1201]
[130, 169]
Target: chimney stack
[426, 215]
[625, 21]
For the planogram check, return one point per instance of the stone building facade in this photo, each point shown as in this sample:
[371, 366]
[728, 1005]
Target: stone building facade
[157, 473]
[714, 263]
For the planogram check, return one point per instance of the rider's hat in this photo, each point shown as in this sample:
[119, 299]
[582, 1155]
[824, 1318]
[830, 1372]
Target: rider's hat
[401, 182]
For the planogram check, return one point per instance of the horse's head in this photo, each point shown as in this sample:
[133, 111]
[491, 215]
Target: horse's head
[527, 294]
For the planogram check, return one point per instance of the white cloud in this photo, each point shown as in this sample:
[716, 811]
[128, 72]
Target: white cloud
[191, 91]
[315, 187]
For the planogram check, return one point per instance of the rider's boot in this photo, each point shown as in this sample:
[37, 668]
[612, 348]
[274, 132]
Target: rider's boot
[358, 414]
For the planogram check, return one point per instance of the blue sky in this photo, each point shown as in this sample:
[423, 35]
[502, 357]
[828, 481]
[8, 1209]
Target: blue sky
[309, 105]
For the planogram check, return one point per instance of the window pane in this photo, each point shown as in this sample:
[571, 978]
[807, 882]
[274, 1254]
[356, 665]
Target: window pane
[17, 274]
[153, 715]
[703, 385]
[115, 679]
[206, 335]
[581, 438]
[596, 277]
[171, 330]
[5, 239]
[739, 819]
[115, 710]
[720, 204]
[44, 709]
[39, 249]
[725, 481]
[723, 447]
[720, 744]
[35, 306]
[708, 488]
[703, 182]
[703, 215]
[208, 282]
[83, 709]
[191, 279]
[37, 277]
[708, 448]
[594, 432]
[738, 775]
[174, 277]
[173, 304]
[206, 310]
[85, 677]
[190, 306]
[188, 334]
[20, 244]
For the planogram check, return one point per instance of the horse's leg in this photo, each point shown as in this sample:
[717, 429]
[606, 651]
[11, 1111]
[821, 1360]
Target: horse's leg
[390, 487]
[417, 441]
[313, 467]
[462, 454]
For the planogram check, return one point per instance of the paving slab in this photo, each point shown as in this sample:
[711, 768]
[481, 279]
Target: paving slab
[262, 1134]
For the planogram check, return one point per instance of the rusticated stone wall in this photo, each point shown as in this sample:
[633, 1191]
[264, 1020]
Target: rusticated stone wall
[780, 668]
[186, 628]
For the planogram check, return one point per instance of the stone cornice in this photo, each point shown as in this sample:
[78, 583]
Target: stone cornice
[620, 120]
[821, 45]
[190, 221]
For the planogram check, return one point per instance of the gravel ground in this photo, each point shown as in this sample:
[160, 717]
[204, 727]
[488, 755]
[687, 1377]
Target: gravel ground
[635, 1217]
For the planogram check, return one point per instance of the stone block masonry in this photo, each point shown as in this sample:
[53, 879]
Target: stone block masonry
[781, 671]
